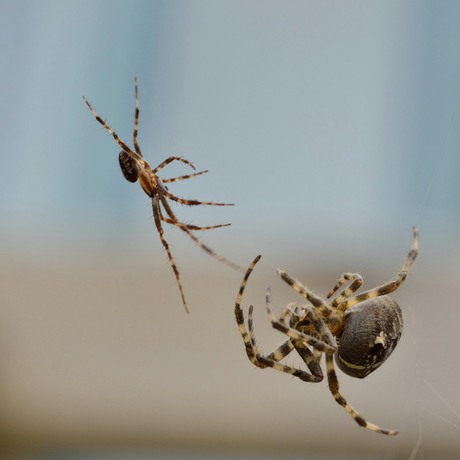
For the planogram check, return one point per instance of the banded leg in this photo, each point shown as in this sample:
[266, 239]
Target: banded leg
[114, 134]
[392, 285]
[318, 302]
[157, 218]
[193, 202]
[250, 342]
[190, 226]
[355, 281]
[188, 176]
[282, 351]
[195, 239]
[287, 311]
[326, 345]
[285, 348]
[310, 360]
[249, 338]
[136, 120]
[274, 358]
[334, 388]
[304, 352]
[171, 159]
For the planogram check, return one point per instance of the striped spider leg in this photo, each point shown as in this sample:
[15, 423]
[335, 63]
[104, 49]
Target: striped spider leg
[135, 168]
[359, 330]
[296, 342]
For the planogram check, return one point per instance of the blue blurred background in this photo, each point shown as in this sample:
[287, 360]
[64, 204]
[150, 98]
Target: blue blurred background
[333, 127]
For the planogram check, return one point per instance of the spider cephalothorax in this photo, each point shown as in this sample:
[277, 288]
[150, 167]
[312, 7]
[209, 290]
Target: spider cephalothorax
[135, 168]
[360, 330]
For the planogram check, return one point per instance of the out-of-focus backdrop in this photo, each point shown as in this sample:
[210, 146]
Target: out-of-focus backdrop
[333, 127]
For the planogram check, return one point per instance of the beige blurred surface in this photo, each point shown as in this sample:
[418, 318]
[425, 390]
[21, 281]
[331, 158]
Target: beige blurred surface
[98, 352]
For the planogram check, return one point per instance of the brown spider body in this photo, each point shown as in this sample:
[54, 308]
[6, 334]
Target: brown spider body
[359, 330]
[135, 168]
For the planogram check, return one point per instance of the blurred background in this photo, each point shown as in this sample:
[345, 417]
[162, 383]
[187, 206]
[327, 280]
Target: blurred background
[333, 127]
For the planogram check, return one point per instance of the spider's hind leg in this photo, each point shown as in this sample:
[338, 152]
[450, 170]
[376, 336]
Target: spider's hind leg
[190, 226]
[392, 285]
[203, 246]
[334, 388]
[354, 280]
[157, 218]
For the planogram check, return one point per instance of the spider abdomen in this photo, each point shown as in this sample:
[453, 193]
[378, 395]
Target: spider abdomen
[371, 332]
[128, 166]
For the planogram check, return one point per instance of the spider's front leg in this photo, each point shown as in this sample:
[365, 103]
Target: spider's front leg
[326, 342]
[272, 360]
[157, 217]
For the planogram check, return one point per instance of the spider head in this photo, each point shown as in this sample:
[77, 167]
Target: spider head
[128, 166]
[371, 332]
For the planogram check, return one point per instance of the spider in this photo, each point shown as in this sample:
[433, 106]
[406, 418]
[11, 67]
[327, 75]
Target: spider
[134, 168]
[360, 330]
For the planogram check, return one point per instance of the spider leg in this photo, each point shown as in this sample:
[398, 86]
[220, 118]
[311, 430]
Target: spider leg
[310, 360]
[248, 335]
[249, 340]
[326, 345]
[137, 156]
[203, 246]
[334, 388]
[287, 311]
[282, 351]
[169, 160]
[318, 302]
[192, 227]
[136, 120]
[352, 278]
[285, 348]
[193, 202]
[392, 285]
[157, 218]
[188, 176]
[355, 281]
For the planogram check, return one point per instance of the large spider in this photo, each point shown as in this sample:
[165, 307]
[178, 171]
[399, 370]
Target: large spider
[360, 330]
[134, 167]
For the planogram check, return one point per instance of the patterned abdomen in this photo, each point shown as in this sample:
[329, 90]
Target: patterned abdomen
[128, 167]
[372, 331]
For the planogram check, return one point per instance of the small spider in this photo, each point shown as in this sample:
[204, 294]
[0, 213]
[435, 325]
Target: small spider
[360, 330]
[134, 168]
